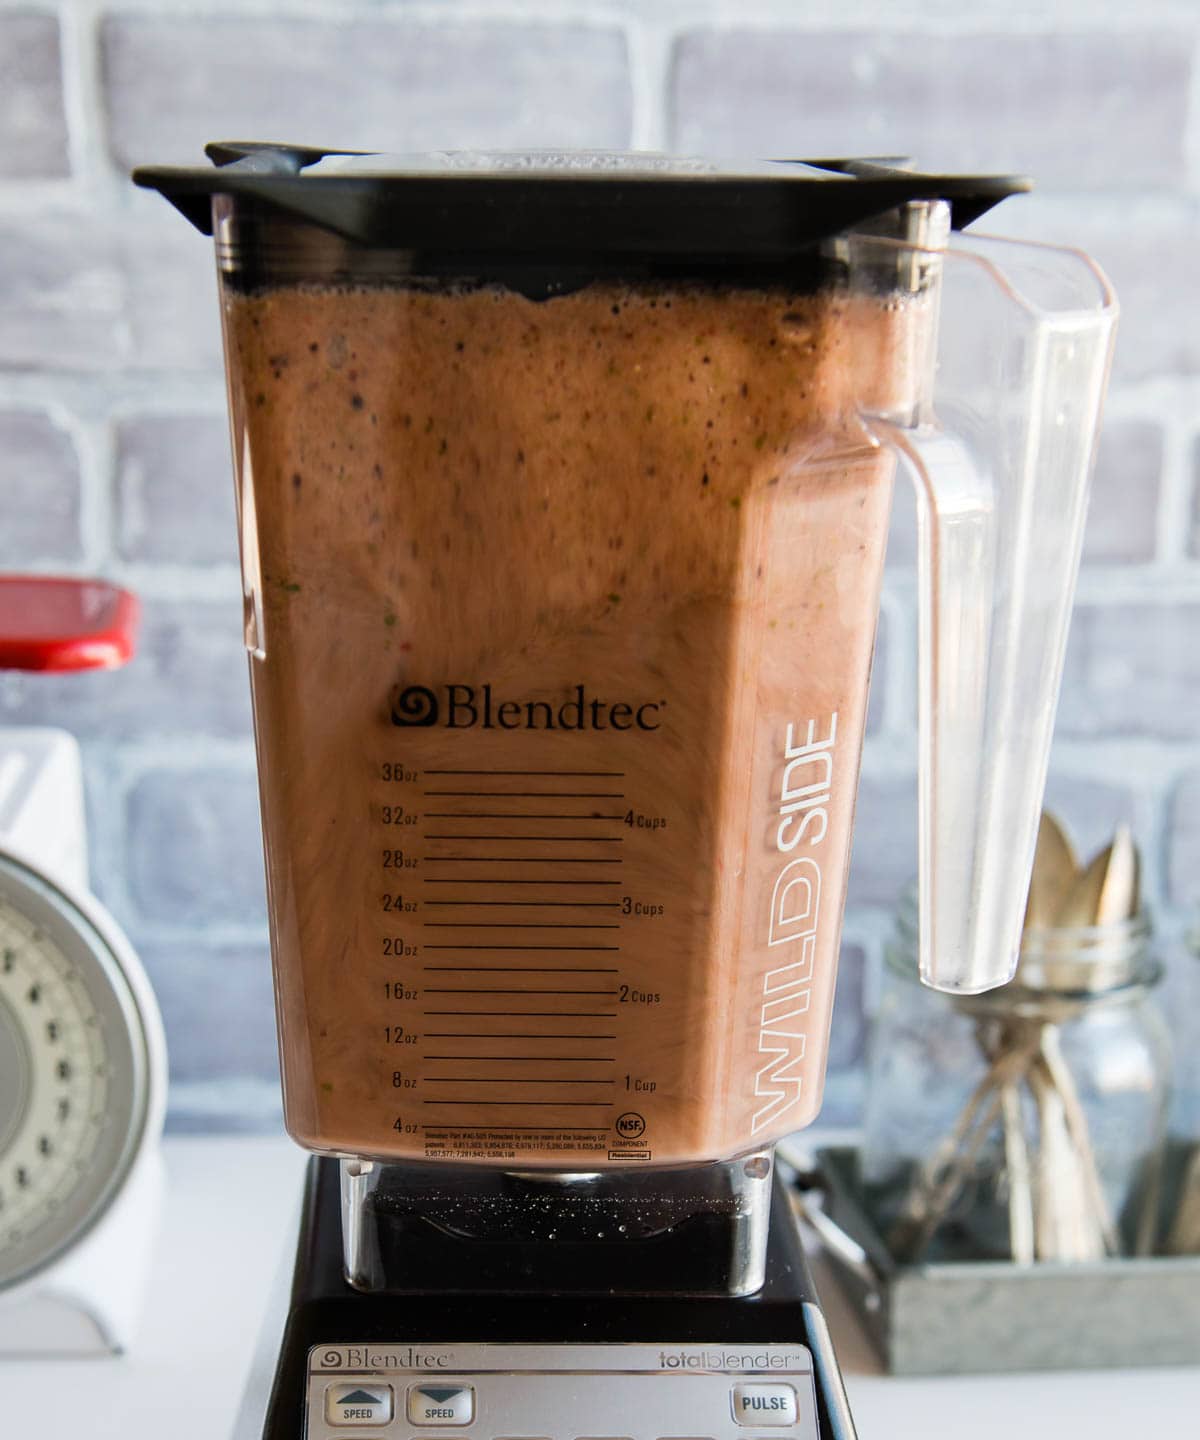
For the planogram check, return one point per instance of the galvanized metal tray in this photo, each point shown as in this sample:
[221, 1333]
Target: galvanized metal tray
[994, 1316]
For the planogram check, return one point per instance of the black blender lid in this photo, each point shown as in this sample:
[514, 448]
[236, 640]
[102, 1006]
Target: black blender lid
[568, 203]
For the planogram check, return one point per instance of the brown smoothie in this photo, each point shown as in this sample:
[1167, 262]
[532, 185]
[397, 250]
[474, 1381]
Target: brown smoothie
[568, 610]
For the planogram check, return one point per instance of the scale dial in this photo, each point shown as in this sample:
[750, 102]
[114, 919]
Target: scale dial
[74, 1071]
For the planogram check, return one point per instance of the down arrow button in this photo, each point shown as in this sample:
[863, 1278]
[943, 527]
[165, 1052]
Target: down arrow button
[441, 1404]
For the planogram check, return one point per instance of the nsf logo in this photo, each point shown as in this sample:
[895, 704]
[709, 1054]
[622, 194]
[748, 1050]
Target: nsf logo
[332, 1360]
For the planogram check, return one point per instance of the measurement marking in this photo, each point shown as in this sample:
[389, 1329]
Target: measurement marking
[508, 815]
[589, 774]
[517, 925]
[541, 1129]
[532, 794]
[529, 1105]
[507, 1035]
[534, 1015]
[510, 1080]
[587, 1059]
[537, 904]
[521, 990]
[541, 839]
[522, 947]
[524, 969]
[518, 860]
[505, 880]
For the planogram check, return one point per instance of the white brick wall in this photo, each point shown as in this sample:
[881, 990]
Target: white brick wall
[112, 447]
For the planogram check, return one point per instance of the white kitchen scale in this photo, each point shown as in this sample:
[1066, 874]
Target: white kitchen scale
[82, 1058]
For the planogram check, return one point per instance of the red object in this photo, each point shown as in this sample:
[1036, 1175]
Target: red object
[51, 623]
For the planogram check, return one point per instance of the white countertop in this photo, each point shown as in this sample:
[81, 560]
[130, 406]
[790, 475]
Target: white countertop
[227, 1214]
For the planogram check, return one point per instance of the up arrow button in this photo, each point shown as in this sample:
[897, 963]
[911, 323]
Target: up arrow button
[441, 1404]
[362, 1403]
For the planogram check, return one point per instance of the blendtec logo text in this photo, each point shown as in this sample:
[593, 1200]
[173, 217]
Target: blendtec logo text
[471, 707]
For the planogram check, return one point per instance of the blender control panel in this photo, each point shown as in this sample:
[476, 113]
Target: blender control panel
[561, 1392]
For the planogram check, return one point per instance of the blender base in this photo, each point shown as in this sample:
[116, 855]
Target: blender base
[553, 1365]
[421, 1226]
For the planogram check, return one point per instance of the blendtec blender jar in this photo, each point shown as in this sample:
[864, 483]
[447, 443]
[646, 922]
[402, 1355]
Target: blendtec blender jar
[563, 490]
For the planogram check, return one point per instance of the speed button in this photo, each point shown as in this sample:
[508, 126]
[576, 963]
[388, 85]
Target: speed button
[441, 1403]
[360, 1403]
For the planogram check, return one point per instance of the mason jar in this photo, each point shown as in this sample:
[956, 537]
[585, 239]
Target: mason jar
[1027, 1122]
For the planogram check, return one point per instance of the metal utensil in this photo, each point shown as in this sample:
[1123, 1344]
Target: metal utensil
[1108, 889]
[1184, 1235]
[1055, 870]
[1120, 895]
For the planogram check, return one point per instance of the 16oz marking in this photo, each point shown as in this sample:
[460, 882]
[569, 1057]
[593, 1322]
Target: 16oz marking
[629, 996]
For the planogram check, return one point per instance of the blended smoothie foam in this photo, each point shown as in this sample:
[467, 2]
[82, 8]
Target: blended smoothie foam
[568, 617]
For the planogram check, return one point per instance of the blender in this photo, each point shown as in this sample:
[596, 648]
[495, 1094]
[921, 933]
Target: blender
[563, 491]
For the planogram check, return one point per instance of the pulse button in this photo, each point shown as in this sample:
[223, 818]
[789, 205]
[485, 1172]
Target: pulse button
[441, 1404]
[764, 1405]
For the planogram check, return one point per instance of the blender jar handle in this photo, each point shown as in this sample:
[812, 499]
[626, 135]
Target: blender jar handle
[1000, 451]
